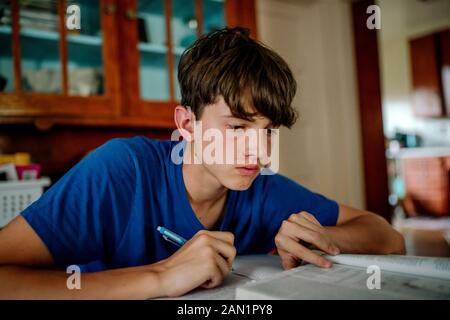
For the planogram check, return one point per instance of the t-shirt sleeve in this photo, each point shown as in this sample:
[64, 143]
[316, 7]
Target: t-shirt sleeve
[81, 217]
[283, 197]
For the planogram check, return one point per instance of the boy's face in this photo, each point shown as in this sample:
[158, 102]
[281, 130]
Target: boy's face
[243, 145]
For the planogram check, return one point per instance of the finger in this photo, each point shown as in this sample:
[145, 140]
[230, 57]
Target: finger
[220, 235]
[310, 222]
[310, 217]
[302, 220]
[287, 260]
[224, 269]
[299, 232]
[215, 277]
[225, 249]
[223, 265]
[298, 251]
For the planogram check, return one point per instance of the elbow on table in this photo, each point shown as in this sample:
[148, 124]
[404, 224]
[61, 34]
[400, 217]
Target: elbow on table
[397, 244]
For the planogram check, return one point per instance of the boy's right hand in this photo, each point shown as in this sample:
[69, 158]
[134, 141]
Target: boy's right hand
[204, 261]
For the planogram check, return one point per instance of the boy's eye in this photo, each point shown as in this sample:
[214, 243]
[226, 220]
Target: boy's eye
[235, 127]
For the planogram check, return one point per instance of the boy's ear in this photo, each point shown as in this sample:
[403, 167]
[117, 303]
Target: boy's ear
[184, 120]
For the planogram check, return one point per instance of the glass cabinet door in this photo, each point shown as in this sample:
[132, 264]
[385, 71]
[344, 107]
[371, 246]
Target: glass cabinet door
[39, 23]
[190, 18]
[153, 48]
[6, 55]
[213, 15]
[185, 25]
[124, 48]
[84, 51]
[42, 61]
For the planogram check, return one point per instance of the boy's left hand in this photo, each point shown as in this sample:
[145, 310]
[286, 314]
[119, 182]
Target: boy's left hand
[294, 236]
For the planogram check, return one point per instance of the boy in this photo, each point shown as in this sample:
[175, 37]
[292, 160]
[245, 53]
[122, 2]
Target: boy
[104, 213]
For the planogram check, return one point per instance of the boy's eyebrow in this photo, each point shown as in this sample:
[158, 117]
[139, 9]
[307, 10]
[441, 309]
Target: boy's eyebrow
[250, 120]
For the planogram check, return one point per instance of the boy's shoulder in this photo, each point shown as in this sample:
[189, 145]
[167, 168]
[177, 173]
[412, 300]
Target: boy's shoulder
[138, 147]
[120, 156]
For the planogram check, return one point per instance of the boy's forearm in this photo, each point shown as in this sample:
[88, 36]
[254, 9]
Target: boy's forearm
[128, 283]
[367, 234]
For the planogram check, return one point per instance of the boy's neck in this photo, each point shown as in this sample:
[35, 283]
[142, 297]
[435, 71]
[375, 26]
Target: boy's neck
[206, 195]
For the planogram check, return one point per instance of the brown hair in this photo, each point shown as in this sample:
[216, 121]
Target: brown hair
[246, 73]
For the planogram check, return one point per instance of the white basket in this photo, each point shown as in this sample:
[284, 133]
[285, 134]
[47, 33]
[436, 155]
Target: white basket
[15, 196]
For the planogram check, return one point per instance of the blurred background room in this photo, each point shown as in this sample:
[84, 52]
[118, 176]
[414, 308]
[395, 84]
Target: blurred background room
[374, 103]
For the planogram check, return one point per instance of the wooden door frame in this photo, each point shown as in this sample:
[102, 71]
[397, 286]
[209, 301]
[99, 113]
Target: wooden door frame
[241, 13]
[370, 108]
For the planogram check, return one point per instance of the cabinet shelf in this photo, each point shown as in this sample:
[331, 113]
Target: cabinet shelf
[54, 36]
[88, 40]
[159, 48]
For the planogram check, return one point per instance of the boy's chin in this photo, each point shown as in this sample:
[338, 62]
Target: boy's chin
[239, 184]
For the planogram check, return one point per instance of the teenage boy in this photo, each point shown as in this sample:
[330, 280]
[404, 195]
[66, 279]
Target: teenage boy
[104, 213]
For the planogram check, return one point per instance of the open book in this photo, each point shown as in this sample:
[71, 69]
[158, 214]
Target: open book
[402, 277]
[353, 277]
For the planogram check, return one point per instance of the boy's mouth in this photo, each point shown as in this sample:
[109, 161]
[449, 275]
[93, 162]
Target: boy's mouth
[248, 170]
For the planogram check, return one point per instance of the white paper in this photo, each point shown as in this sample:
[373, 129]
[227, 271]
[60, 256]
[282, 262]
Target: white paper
[413, 265]
[342, 282]
[257, 267]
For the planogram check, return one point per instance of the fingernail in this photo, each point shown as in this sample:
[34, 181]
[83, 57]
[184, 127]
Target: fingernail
[336, 251]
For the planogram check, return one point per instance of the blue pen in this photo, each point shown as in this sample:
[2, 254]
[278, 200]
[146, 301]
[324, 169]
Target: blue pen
[171, 236]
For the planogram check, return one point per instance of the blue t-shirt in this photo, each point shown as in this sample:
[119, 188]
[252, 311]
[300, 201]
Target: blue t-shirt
[104, 212]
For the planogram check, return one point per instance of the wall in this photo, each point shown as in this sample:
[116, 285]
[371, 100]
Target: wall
[402, 20]
[323, 150]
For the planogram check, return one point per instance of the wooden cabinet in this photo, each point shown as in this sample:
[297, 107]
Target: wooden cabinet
[430, 62]
[427, 184]
[119, 69]
[65, 92]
